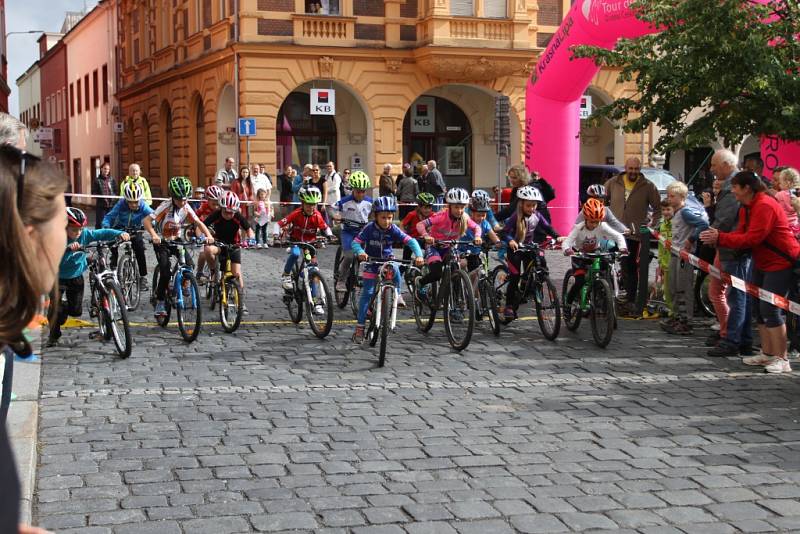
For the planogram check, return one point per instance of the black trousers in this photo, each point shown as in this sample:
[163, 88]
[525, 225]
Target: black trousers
[99, 214]
[630, 269]
[73, 287]
[137, 242]
[163, 253]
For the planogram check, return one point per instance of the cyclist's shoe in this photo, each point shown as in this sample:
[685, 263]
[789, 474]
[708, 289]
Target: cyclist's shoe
[52, 339]
[96, 335]
[318, 309]
[457, 316]
[202, 279]
[259, 246]
[244, 309]
[401, 302]
[143, 284]
[509, 314]
[340, 287]
[358, 335]
[161, 309]
[286, 282]
[422, 291]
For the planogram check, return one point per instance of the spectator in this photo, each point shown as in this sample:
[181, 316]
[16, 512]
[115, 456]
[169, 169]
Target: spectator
[335, 186]
[135, 177]
[786, 183]
[407, 191]
[517, 177]
[548, 193]
[226, 175]
[12, 131]
[665, 255]
[732, 307]
[259, 179]
[106, 186]
[630, 196]
[301, 180]
[763, 229]
[243, 187]
[707, 253]
[386, 183]
[285, 186]
[318, 181]
[346, 190]
[435, 183]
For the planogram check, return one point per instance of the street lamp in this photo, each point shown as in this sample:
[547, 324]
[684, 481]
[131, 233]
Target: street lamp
[21, 33]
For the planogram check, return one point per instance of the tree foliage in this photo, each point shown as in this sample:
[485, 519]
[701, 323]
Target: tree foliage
[719, 68]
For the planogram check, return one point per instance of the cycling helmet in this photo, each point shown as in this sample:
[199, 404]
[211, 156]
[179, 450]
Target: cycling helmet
[180, 187]
[594, 210]
[310, 195]
[76, 218]
[229, 201]
[480, 193]
[214, 192]
[528, 192]
[596, 191]
[359, 180]
[384, 204]
[457, 196]
[479, 204]
[425, 199]
[133, 192]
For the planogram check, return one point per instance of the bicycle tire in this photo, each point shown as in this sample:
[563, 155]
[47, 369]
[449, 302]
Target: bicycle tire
[572, 314]
[119, 328]
[387, 296]
[341, 296]
[546, 293]
[701, 298]
[128, 275]
[294, 298]
[233, 297]
[99, 299]
[499, 280]
[324, 292]
[489, 304]
[189, 329]
[602, 300]
[371, 331]
[460, 298]
[161, 321]
[424, 314]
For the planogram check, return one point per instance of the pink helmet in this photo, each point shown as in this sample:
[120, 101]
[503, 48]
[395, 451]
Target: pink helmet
[229, 201]
[214, 192]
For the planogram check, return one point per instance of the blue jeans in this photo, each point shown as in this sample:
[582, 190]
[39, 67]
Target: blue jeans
[294, 255]
[368, 290]
[740, 330]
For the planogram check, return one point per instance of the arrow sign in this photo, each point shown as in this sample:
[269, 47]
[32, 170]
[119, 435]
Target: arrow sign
[247, 127]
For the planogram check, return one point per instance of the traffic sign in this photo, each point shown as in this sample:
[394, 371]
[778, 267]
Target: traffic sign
[247, 127]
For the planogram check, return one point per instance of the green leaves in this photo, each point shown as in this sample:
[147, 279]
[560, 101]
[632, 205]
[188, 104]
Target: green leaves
[717, 57]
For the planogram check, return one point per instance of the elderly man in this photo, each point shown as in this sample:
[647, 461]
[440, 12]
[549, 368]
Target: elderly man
[386, 182]
[225, 177]
[731, 306]
[631, 195]
[435, 182]
[12, 132]
[260, 180]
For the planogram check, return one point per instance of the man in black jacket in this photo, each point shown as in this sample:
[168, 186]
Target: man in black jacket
[104, 185]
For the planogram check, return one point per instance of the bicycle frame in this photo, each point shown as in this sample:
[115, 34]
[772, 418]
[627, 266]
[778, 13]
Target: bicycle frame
[221, 276]
[178, 271]
[602, 262]
[386, 274]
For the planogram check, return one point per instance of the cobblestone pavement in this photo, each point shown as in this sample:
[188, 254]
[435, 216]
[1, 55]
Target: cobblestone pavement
[273, 430]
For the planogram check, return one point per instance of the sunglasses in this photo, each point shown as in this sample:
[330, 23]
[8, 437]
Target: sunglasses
[24, 158]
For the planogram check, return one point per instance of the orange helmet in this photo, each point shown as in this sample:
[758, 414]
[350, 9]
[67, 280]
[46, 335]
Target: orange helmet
[594, 210]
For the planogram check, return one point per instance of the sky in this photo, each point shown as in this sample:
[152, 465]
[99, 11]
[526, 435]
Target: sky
[23, 50]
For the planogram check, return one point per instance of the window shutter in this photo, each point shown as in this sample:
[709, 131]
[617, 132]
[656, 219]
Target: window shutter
[495, 9]
[462, 8]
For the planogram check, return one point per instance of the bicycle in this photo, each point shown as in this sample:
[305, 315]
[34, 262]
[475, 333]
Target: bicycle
[353, 283]
[182, 293]
[306, 278]
[486, 303]
[128, 271]
[382, 314]
[596, 298]
[455, 297]
[226, 290]
[107, 301]
[534, 285]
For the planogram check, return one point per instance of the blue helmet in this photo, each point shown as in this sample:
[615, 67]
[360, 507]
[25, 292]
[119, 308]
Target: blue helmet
[384, 204]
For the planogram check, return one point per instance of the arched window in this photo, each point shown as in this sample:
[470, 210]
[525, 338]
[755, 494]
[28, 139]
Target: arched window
[302, 137]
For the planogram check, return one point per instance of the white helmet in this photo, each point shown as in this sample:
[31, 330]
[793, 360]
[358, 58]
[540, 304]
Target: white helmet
[528, 192]
[480, 193]
[229, 201]
[214, 192]
[457, 196]
[133, 192]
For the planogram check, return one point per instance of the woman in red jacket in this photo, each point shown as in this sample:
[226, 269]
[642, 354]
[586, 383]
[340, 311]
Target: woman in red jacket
[764, 229]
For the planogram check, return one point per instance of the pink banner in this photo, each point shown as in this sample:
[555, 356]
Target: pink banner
[779, 153]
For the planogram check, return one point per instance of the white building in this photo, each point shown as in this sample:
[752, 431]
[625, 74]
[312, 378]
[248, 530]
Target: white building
[29, 86]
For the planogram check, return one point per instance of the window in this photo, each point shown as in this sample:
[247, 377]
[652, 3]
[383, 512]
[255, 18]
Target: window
[71, 100]
[80, 106]
[47, 111]
[207, 15]
[495, 9]
[462, 8]
[86, 91]
[323, 7]
[95, 88]
[105, 84]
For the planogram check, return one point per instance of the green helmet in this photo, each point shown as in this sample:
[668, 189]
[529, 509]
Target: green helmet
[180, 187]
[425, 199]
[359, 180]
[310, 195]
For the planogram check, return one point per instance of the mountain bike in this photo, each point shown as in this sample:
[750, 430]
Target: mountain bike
[353, 283]
[309, 290]
[382, 314]
[182, 293]
[128, 270]
[226, 290]
[535, 286]
[454, 295]
[107, 300]
[596, 298]
[486, 303]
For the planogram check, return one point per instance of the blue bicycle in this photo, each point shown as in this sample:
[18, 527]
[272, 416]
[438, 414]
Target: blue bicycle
[182, 293]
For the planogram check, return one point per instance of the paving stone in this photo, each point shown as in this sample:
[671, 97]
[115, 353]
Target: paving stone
[472, 510]
[494, 526]
[218, 525]
[581, 521]
[432, 527]
[537, 523]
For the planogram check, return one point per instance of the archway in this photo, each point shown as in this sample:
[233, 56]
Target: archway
[751, 148]
[603, 143]
[226, 127]
[166, 144]
[197, 163]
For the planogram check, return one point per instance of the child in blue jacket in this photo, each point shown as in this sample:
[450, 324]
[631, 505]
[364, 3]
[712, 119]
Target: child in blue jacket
[129, 213]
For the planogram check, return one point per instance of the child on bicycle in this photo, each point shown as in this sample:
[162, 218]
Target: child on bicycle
[447, 225]
[589, 236]
[664, 253]
[172, 215]
[306, 221]
[227, 224]
[376, 240]
[209, 206]
[354, 211]
[74, 264]
[519, 230]
[128, 213]
[479, 212]
[409, 223]
[480, 194]
[598, 191]
[263, 213]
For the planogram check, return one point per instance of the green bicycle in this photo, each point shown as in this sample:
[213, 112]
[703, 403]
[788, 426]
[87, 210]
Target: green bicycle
[596, 298]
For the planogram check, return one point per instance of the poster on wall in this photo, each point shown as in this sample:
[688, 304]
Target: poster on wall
[456, 163]
[423, 115]
[356, 163]
[323, 102]
[319, 154]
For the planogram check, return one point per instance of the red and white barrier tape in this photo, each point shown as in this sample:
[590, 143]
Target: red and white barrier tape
[740, 284]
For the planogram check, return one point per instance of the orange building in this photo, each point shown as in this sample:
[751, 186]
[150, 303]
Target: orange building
[410, 80]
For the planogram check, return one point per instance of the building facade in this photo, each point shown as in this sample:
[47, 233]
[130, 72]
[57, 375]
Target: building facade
[29, 88]
[410, 80]
[91, 85]
[5, 90]
[53, 132]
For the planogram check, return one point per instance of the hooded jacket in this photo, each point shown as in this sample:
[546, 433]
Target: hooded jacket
[633, 211]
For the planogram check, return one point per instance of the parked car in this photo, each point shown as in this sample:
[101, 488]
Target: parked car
[599, 174]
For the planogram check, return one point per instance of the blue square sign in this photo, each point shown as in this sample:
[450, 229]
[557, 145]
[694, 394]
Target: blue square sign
[247, 127]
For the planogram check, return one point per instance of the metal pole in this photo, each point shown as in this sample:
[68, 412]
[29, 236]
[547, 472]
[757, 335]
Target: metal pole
[248, 151]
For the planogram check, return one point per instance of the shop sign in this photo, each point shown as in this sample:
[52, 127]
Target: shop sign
[323, 102]
[423, 115]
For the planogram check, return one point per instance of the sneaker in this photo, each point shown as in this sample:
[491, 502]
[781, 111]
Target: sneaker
[266, 245]
[723, 350]
[202, 279]
[143, 284]
[340, 286]
[793, 353]
[712, 340]
[161, 309]
[715, 327]
[286, 282]
[401, 302]
[778, 365]
[52, 340]
[96, 335]
[668, 325]
[318, 309]
[759, 359]
[456, 316]
[358, 335]
[260, 246]
[509, 314]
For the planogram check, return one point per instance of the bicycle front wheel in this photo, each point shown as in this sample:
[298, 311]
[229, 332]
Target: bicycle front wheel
[162, 320]
[387, 304]
[548, 308]
[117, 314]
[499, 281]
[489, 304]
[424, 313]
[571, 308]
[230, 306]
[189, 313]
[294, 298]
[602, 312]
[128, 274]
[320, 309]
[341, 296]
[459, 310]
[101, 302]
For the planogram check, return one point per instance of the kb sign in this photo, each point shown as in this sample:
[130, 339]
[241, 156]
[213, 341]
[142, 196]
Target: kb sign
[423, 115]
[323, 102]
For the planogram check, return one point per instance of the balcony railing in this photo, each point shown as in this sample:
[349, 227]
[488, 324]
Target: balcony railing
[327, 30]
[454, 31]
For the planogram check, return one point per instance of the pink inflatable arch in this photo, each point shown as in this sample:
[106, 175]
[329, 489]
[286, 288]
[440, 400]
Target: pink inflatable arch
[552, 123]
